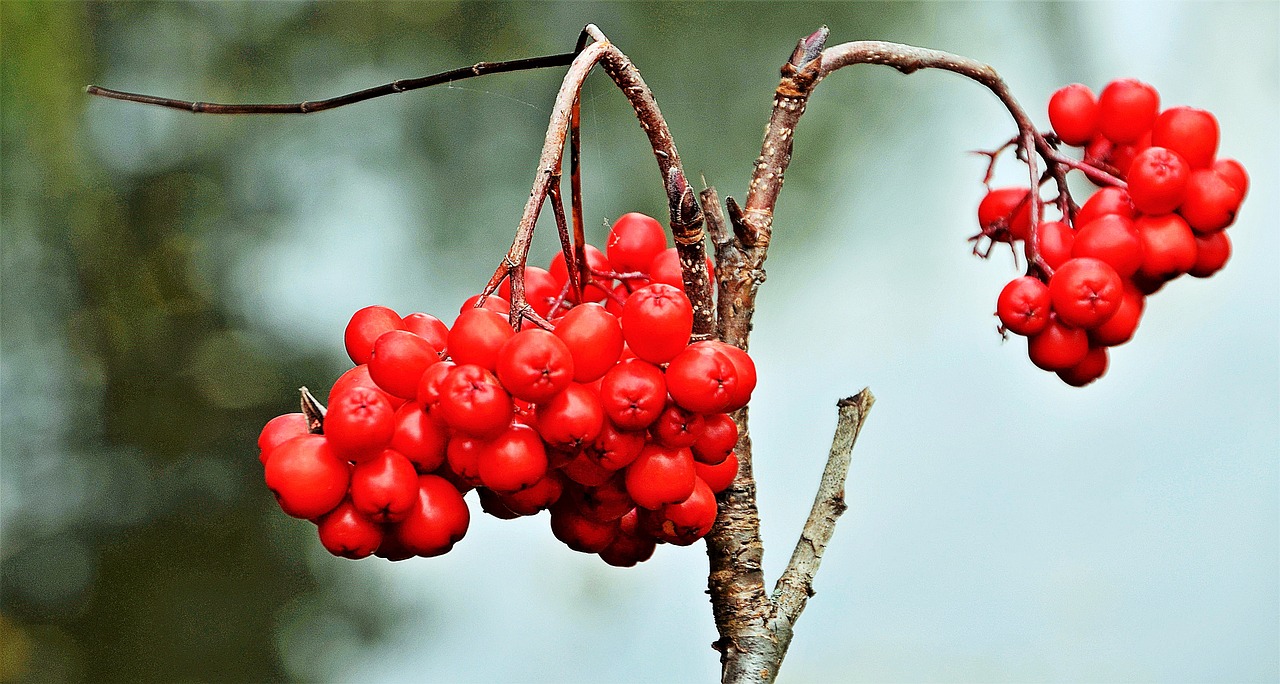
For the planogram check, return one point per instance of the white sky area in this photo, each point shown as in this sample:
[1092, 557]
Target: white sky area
[1002, 526]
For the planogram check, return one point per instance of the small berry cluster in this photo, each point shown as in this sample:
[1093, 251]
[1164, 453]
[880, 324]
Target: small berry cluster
[613, 422]
[1161, 213]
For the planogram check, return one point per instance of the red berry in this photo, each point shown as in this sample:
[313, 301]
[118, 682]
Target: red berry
[1126, 110]
[1053, 241]
[438, 520]
[429, 328]
[687, 521]
[494, 303]
[660, 475]
[538, 496]
[1192, 133]
[1233, 172]
[579, 532]
[1212, 252]
[476, 337]
[1168, 246]
[1211, 202]
[1157, 179]
[1109, 200]
[628, 549]
[1005, 214]
[634, 240]
[535, 365]
[1073, 113]
[572, 418]
[472, 401]
[594, 339]
[1058, 347]
[1092, 367]
[366, 326]
[677, 427]
[463, 457]
[1120, 327]
[606, 503]
[656, 322]
[718, 438]
[1113, 239]
[346, 533]
[279, 430]
[1023, 306]
[540, 289]
[595, 287]
[718, 476]
[615, 449]
[421, 438]
[1085, 292]
[307, 477]
[513, 460]
[702, 380]
[633, 394]
[745, 367]
[665, 268]
[359, 423]
[399, 358]
[384, 488]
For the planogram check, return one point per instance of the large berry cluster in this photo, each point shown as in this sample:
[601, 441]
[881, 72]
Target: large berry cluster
[611, 420]
[1161, 213]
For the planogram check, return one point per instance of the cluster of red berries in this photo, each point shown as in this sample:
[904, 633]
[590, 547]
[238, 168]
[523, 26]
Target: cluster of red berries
[613, 422]
[1161, 213]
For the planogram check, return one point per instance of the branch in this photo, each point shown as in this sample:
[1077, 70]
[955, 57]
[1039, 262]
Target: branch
[795, 586]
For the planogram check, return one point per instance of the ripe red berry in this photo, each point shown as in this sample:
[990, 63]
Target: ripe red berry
[656, 322]
[1108, 200]
[687, 521]
[633, 394]
[1053, 241]
[494, 303]
[476, 337]
[606, 503]
[538, 496]
[665, 268]
[535, 365]
[307, 477]
[1058, 347]
[540, 289]
[346, 533]
[634, 240]
[359, 423]
[513, 460]
[472, 401]
[627, 549]
[594, 339]
[1085, 292]
[1212, 252]
[1210, 202]
[438, 520]
[1073, 113]
[279, 430]
[1157, 179]
[429, 328]
[1113, 239]
[718, 477]
[1120, 327]
[586, 471]
[615, 449]
[677, 427]
[718, 438]
[702, 380]
[660, 475]
[579, 532]
[1092, 367]
[1023, 306]
[1126, 110]
[384, 487]
[366, 326]
[1005, 214]
[745, 367]
[596, 287]
[419, 437]
[463, 457]
[399, 358]
[1233, 172]
[1192, 133]
[572, 418]
[1168, 246]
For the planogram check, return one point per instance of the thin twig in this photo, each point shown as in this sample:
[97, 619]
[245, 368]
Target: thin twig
[795, 586]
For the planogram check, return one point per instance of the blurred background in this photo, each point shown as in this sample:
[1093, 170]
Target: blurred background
[169, 280]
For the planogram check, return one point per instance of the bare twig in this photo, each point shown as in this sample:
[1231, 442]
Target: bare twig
[795, 586]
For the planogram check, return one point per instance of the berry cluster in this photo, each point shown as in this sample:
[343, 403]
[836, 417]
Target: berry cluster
[610, 419]
[1161, 213]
